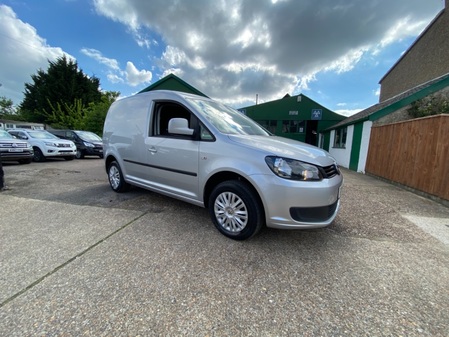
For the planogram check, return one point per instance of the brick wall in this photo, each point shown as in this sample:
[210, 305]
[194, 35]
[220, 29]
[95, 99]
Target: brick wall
[425, 60]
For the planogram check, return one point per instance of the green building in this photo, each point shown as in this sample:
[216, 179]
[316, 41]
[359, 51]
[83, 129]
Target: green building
[297, 117]
[174, 83]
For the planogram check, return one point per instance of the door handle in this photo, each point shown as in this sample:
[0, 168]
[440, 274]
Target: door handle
[152, 149]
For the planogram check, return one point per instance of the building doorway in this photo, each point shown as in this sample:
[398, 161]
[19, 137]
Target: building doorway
[311, 132]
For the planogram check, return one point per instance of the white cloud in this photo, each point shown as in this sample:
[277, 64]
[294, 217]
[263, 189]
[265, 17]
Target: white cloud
[215, 44]
[114, 78]
[96, 55]
[24, 52]
[132, 75]
[231, 49]
[24, 49]
[135, 76]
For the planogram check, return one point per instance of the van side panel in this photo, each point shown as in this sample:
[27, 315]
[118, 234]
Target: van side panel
[125, 128]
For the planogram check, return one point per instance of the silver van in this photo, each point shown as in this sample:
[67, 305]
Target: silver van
[200, 151]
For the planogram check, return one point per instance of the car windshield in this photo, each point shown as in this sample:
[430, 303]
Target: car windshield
[5, 135]
[226, 119]
[41, 135]
[87, 135]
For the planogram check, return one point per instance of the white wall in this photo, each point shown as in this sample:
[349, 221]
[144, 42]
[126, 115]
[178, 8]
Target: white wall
[366, 134]
[342, 156]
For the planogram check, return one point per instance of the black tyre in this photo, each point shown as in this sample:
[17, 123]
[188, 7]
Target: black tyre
[79, 154]
[116, 180]
[235, 210]
[69, 158]
[38, 155]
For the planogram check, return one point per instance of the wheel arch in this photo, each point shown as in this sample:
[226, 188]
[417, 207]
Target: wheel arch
[36, 150]
[109, 159]
[219, 177]
[37, 147]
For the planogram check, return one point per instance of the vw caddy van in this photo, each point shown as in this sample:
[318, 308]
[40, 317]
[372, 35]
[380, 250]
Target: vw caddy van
[200, 151]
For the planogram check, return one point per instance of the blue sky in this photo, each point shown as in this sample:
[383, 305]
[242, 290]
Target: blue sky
[333, 51]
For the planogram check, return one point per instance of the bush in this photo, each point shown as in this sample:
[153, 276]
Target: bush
[428, 106]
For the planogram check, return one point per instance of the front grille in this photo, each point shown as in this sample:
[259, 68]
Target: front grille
[63, 145]
[13, 145]
[329, 171]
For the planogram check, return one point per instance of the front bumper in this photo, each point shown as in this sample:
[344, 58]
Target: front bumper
[292, 204]
[59, 152]
[93, 151]
[17, 154]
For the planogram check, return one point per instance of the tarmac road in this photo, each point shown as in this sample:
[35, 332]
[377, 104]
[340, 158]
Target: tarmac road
[78, 259]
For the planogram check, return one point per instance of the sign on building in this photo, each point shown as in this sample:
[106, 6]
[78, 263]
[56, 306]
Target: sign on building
[317, 114]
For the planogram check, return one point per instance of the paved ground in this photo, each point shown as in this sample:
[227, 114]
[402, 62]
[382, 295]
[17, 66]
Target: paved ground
[78, 259]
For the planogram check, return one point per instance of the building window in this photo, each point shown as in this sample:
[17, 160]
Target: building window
[293, 126]
[340, 137]
[270, 125]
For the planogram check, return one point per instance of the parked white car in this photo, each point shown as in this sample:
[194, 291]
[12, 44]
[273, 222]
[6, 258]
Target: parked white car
[198, 150]
[45, 144]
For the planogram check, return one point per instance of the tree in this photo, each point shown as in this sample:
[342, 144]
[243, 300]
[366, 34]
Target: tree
[62, 85]
[96, 112]
[67, 116]
[76, 116]
[6, 107]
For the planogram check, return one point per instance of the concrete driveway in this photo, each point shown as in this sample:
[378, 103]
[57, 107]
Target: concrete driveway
[78, 259]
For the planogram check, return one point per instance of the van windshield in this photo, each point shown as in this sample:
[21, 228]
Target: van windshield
[227, 120]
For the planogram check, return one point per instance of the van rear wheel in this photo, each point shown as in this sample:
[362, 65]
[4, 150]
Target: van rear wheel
[116, 180]
[235, 210]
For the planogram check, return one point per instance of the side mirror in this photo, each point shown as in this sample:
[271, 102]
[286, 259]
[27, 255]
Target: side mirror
[179, 126]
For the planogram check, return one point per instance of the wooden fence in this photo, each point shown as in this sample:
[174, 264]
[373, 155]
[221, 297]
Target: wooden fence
[413, 153]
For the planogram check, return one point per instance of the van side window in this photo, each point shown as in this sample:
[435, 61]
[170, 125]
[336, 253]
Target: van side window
[205, 134]
[164, 111]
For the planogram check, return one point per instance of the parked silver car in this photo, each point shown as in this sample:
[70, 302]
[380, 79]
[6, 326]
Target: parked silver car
[12, 149]
[198, 150]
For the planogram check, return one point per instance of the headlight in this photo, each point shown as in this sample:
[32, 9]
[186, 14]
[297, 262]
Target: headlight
[51, 144]
[292, 169]
[88, 144]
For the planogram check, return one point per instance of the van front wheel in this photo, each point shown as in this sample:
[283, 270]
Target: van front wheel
[116, 180]
[235, 210]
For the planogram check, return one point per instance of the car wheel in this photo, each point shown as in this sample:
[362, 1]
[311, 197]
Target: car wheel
[79, 154]
[235, 210]
[38, 155]
[116, 180]
[69, 158]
